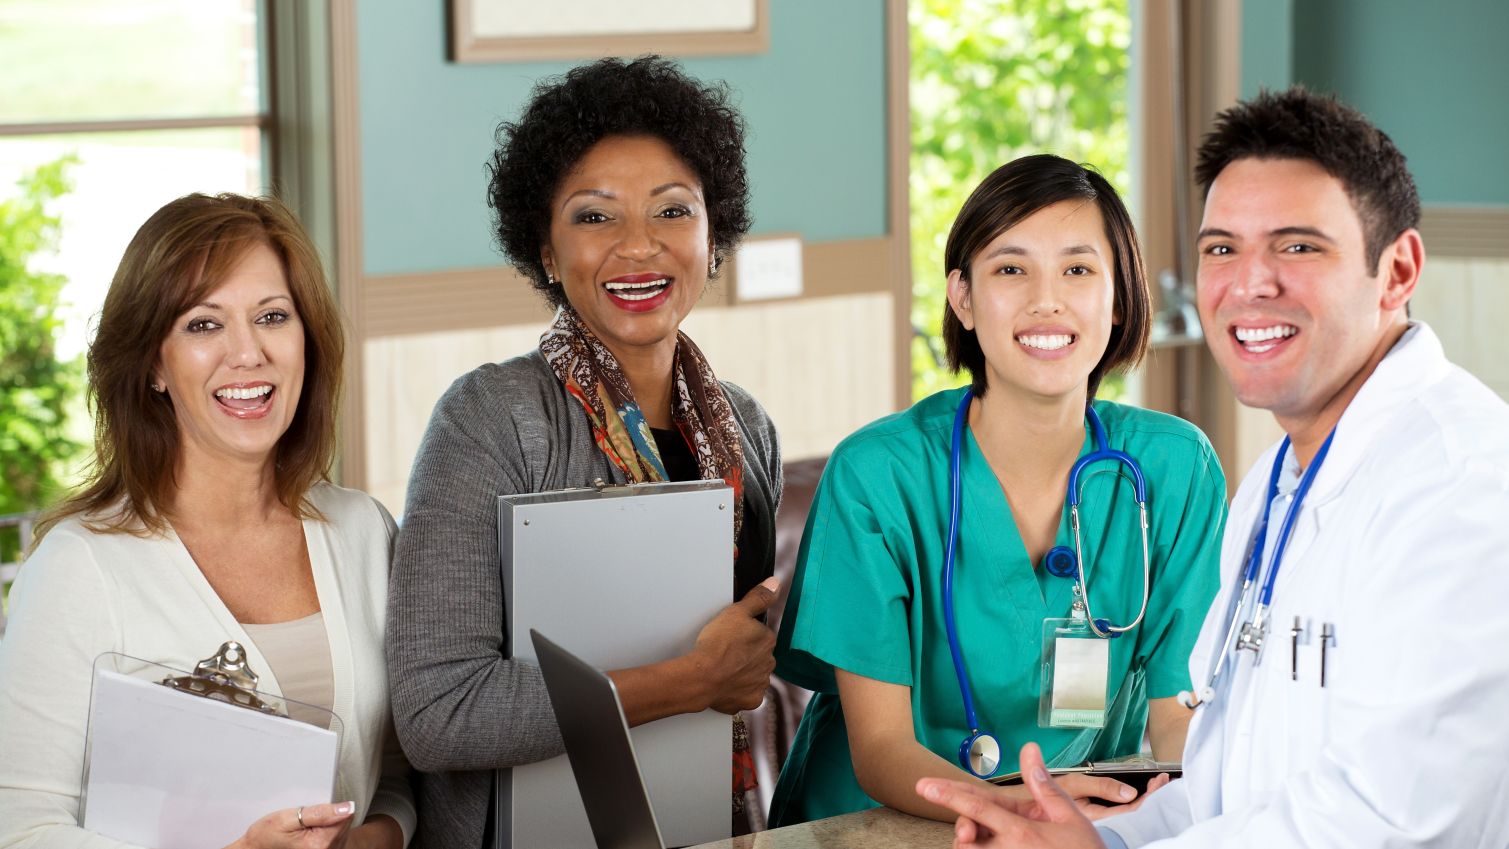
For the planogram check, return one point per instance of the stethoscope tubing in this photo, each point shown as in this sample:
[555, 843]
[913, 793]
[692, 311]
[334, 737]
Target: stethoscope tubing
[1255, 558]
[1102, 628]
[955, 498]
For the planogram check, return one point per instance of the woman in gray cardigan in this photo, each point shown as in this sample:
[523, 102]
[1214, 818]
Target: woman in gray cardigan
[618, 192]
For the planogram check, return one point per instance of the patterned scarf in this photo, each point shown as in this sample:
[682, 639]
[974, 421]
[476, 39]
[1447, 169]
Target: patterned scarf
[699, 408]
[701, 412]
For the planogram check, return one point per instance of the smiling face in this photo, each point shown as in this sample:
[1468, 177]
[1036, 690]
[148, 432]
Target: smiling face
[1041, 300]
[629, 242]
[1292, 311]
[233, 365]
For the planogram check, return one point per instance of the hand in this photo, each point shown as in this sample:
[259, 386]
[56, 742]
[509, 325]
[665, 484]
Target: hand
[324, 827]
[1085, 788]
[733, 652]
[1019, 800]
[1096, 812]
[985, 822]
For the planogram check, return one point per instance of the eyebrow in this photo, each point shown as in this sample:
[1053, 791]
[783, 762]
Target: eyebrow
[1216, 232]
[597, 193]
[1014, 250]
[1303, 231]
[214, 306]
[665, 187]
[607, 195]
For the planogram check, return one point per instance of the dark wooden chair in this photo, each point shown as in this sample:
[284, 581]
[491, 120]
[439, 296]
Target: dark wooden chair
[772, 725]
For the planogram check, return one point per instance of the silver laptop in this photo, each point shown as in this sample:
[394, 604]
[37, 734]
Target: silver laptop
[598, 745]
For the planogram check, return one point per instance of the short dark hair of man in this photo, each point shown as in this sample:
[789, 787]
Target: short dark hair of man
[1010, 195]
[567, 115]
[1300, 124]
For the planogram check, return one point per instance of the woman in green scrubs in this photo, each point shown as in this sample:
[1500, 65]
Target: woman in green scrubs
[1046, 296]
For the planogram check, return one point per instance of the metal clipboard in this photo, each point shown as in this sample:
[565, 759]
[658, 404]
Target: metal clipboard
[626, 575]
[178, 759]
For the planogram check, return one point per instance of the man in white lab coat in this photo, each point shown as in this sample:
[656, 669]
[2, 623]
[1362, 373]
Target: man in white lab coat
[1377, 713]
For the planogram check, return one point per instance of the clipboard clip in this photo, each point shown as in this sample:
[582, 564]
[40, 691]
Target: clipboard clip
[224, 677]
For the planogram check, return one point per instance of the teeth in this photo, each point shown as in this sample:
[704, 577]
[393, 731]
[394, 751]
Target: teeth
[636, 296]
[237, 394]
[1046, 342]
[623, 290]
[1247, 335]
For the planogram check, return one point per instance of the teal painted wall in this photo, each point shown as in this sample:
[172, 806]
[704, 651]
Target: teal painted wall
[1430, 74]
[815, 104]
[1267, 45]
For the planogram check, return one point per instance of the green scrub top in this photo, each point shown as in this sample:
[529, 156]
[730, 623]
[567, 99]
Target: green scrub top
[868, 594]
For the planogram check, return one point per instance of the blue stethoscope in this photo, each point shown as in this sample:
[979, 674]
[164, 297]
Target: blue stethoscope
[980, 753]
[1249, 635]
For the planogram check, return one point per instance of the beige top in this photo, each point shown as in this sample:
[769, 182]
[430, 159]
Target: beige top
[82, 593]
[298, 654]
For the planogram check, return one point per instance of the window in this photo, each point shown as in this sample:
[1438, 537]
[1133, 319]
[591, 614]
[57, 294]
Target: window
[147, 101]
[992, 80]
[152, 99]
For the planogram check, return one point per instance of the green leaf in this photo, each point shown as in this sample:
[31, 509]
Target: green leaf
[37, 391]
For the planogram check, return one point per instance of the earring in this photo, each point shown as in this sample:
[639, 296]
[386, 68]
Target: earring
[159, 388]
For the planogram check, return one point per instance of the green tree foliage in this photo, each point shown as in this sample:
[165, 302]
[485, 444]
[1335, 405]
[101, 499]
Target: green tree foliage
[35, 387]
[993, 80]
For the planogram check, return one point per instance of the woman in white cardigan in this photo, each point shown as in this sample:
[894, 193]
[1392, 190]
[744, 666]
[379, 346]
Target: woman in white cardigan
[214, 376]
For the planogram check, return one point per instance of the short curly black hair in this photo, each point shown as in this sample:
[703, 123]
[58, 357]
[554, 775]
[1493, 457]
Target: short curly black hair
[567, 115]
[1299, 124]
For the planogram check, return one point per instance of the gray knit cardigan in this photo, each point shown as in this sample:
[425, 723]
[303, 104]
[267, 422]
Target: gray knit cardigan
[460, 707]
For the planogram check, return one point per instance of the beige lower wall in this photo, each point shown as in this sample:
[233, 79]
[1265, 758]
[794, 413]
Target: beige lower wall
[821, 366]
[1466, 301]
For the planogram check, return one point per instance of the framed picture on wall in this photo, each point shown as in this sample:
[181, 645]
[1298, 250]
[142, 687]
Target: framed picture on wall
[528, 30]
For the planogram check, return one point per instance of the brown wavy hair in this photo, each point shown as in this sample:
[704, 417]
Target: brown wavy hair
[178, 257]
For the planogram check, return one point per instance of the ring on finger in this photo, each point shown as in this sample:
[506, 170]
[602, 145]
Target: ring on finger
[301, 819]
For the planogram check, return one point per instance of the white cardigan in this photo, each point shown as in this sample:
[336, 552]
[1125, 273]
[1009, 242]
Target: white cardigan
[83, 593]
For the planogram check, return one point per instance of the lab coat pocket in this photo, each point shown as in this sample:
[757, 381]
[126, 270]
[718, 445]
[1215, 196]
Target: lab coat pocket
[1308, 702]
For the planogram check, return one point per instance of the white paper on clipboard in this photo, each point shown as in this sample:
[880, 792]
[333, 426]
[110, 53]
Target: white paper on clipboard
[172, 770]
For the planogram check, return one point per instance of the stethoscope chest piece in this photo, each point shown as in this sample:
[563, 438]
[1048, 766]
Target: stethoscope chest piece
[980, 754]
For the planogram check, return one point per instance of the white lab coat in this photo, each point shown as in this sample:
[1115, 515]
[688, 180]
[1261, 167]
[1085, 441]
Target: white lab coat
[1403, 546]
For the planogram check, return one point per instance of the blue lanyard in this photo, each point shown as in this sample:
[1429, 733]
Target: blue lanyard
[1287, 529]
[1252, 633]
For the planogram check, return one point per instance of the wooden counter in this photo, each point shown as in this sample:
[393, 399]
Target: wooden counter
[877, 828]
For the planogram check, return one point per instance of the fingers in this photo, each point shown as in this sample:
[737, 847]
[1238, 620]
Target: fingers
[1055, 803]
[1160, 780]
[962, 800]
[998, 796]
[1100, 812]
[757, 600]
[1097, 787]
[320, 816]
[966, 832]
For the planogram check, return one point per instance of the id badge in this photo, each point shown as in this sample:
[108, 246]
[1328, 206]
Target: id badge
[1076, 675]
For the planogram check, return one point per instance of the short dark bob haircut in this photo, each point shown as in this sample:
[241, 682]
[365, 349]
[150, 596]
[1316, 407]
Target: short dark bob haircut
[1011, 194]
[567, 115]
[1300, 124]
